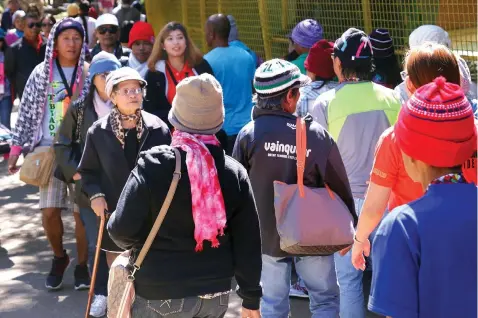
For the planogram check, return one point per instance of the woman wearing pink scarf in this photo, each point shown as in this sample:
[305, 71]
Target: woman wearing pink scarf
[211, 231]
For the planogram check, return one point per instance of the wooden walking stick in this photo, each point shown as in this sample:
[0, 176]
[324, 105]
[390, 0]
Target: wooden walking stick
[91, 292]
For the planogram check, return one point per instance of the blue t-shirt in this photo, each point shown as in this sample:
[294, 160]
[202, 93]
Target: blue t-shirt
[424, 256]
[234, 68]
[242, 45]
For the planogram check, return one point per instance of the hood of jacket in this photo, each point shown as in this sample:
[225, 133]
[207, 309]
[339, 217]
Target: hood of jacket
[50, 56]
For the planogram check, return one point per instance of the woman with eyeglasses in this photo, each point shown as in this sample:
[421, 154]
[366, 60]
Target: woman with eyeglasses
[78, 119]
[113, 145]
[47, 23]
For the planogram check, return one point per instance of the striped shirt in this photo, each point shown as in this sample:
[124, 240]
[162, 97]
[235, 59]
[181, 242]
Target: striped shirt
[309, 94]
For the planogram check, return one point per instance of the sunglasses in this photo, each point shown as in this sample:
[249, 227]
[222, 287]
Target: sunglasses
[35, 24]
[130, 91]
[44, 25]
[112, 30]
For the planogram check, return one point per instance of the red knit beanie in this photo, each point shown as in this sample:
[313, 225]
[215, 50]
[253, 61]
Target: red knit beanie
[141, 31]
[319, 60]
[437, 126]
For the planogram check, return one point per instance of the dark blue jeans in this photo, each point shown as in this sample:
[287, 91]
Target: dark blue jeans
[6, 106]
[90, 221]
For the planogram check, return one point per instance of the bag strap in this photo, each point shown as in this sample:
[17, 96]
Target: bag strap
[301, 151]
[173, 78]
[77, 92]
[161, 215]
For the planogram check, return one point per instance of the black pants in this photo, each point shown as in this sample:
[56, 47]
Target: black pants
[189, 307]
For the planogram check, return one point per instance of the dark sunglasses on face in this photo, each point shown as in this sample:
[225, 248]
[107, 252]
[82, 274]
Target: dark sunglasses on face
[31, 25]
[112, 30]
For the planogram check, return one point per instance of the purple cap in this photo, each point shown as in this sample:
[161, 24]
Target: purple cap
[306, 33]
[69, 23]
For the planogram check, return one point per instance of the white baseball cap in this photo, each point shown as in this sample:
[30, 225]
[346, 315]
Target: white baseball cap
[120, 75]
[106, 19]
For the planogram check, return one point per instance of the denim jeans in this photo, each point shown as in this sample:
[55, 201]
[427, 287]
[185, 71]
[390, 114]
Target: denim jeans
[189, 307]
[90, 221]
[352, 303]
[6, 106]
[318, 275]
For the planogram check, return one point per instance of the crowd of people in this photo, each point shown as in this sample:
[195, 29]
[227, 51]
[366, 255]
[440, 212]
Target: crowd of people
[396, 146]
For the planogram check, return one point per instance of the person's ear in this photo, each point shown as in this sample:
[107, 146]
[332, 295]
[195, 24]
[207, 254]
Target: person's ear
[409, 86]
[290, 101]
[113, 98]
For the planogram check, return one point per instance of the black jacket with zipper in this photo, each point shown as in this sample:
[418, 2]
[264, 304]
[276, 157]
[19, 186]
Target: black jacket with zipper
[156, 101]
[266, 148]
[103, 166]
[20, 60]
[69, 147]
[172, 268]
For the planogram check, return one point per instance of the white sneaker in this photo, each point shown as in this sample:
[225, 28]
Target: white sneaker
[98, 307]
[298, 291]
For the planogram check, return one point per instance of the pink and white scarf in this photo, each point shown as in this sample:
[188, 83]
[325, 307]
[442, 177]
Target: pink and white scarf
[209, 212]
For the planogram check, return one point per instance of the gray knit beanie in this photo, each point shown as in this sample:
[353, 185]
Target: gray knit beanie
[198, 106]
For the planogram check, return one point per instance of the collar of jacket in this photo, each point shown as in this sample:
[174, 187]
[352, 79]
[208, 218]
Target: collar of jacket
[258, 112]
[150, 121]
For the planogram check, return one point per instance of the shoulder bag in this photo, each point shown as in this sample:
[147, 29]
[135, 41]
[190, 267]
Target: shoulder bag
[37, 167]
[310, 221]
[121, 292]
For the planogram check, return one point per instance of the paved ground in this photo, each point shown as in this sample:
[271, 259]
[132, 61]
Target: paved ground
[25, 259]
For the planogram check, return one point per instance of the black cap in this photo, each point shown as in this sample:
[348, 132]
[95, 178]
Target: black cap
[382, 43]
[353, 47]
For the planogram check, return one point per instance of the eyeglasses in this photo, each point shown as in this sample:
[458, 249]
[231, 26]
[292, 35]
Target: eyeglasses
[31, 25]
[404, 75]
[47, 24]
[129, 91]
[111, 29]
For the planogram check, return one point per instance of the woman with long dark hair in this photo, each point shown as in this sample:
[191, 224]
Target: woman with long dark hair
[174, 57]
[88, 23]
[46, 24]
